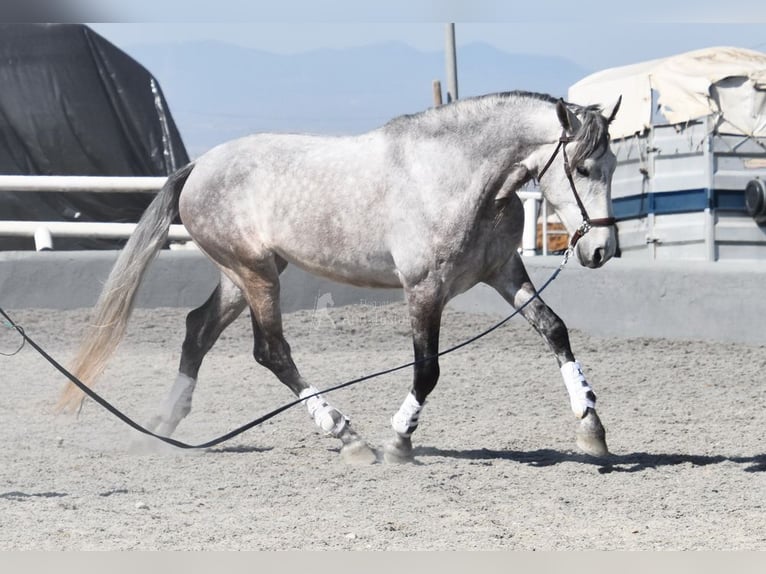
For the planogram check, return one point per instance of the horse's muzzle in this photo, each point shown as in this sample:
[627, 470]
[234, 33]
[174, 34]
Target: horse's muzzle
[595, 249]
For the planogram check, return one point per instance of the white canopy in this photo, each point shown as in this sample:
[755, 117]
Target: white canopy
[727, 82]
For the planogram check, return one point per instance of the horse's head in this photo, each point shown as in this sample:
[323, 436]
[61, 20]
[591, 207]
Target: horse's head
[591, 163]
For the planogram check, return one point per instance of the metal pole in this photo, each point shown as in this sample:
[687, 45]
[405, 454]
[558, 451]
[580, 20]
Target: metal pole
[710, 246]
[529, 235]
[451, 56]
[437, 89]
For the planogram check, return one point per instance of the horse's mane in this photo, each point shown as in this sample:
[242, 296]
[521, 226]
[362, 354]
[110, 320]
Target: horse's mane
[592, 134]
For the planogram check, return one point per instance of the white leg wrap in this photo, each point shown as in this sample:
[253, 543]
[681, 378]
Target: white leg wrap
[178, 403]
[405, 421]
[580, 392]
[321, 412]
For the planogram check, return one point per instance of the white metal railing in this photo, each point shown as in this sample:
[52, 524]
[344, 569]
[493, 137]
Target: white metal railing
[43, 232]
[80, 183]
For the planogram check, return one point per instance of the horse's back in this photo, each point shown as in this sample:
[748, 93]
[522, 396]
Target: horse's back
[318, 202]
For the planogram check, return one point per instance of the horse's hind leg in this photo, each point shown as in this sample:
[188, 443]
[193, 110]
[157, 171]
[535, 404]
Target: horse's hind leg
[203, 327]
[261, 286]
[513, 283]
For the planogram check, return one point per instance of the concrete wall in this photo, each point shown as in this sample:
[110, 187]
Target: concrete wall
[71, 280]
[721, 301]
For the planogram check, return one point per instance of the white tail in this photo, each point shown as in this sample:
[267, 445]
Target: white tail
[115, 304]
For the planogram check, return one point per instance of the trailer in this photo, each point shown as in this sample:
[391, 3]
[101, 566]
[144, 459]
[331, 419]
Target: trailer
[690, 141]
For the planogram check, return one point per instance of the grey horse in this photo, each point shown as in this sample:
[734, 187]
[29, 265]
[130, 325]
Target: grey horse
[426, 203]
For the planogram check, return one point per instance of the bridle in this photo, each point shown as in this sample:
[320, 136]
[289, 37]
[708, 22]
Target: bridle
[587, 223]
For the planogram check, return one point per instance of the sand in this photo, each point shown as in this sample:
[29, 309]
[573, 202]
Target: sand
[496, 467]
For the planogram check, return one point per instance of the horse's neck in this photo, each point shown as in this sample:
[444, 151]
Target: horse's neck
[519, 130]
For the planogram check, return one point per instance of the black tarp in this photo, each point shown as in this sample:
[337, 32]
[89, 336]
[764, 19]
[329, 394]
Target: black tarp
[71, 103]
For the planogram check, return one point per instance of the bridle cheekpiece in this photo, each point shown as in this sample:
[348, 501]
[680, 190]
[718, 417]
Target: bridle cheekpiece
[587, 223]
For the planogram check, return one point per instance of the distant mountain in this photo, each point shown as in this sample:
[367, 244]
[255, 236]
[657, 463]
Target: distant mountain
[219, 91]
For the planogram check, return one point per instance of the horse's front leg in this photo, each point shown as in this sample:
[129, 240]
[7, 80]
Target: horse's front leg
[425, 308]
[513, 283]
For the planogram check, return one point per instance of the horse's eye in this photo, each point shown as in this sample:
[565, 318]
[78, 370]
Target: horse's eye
[583, 171]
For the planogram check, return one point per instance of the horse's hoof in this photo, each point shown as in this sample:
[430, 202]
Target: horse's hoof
[591, 436]
[358, 452]
[153, 423]
[146, 444]
[399, 451]
[161, 426]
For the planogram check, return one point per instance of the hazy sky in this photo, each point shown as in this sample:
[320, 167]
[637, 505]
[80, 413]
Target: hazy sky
[596, 34]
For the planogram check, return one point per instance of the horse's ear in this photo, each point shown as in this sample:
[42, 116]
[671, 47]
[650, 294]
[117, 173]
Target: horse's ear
[567, 117]
[518, 176]
[613, 113]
